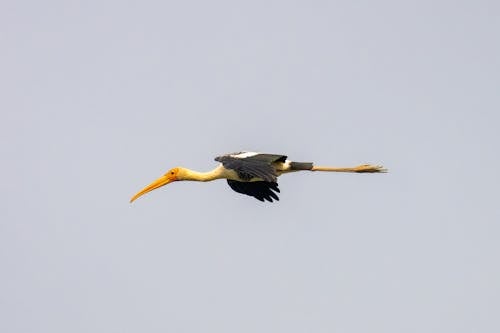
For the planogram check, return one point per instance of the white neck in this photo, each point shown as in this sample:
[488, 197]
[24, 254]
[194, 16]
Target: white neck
[214, 174]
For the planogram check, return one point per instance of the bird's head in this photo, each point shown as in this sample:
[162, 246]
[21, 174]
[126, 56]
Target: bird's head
[170, 176]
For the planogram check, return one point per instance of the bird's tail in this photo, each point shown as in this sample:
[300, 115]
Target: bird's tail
[297, 166]
[360, 168]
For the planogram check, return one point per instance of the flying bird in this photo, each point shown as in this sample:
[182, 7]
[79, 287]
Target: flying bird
[250, 173]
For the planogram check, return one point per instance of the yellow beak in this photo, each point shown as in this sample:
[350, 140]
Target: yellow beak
[162, 181]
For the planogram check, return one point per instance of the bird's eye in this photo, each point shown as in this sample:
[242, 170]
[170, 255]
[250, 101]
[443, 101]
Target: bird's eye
[171, 172]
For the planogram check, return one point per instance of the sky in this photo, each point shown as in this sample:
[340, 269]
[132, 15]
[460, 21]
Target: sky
[99, 98]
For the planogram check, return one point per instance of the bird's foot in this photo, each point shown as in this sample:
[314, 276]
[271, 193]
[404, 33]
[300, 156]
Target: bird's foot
[369, 168]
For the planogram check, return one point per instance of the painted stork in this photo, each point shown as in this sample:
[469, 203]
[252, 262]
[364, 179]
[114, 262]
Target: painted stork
[250, 173]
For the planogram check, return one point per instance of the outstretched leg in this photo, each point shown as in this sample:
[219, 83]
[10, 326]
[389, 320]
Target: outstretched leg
[360, 168]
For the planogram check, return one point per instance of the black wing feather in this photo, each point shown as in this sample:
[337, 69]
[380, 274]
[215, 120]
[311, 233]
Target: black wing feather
[259, 166]
[260, 190]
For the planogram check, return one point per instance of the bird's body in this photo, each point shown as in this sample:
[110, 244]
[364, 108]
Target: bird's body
[250, 173]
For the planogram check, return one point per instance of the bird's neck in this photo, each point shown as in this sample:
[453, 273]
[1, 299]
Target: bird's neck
[216, 173]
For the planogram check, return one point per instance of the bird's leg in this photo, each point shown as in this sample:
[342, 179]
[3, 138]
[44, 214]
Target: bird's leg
[359, 169]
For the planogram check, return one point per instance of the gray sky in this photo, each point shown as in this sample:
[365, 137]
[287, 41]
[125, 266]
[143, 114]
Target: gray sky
[101, 97]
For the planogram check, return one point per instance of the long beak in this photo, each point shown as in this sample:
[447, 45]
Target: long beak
[162, 181]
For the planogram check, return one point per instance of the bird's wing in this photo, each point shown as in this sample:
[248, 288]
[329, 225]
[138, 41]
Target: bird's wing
[252, 165]
[260, 190]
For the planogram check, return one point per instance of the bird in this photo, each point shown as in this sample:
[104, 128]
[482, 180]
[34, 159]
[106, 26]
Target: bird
[250, 173]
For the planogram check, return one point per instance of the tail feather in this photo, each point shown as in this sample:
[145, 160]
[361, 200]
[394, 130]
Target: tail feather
[296, 166]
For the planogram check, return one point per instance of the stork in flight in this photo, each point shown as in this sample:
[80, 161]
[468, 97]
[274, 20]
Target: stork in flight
[253, 174]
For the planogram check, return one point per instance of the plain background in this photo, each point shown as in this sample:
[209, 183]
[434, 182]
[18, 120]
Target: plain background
[99, 98]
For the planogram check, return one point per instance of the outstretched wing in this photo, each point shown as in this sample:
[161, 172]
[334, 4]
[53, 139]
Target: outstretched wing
[252, 165]
[260, 190]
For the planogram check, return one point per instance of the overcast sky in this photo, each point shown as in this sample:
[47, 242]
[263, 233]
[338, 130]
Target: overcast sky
[99, 98]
